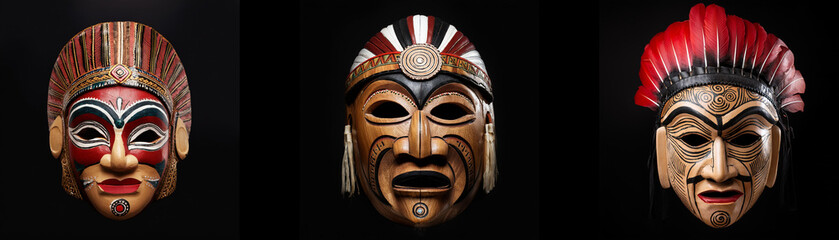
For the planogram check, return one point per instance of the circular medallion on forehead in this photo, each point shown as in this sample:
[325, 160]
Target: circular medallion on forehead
[420, 61]
[119, 207]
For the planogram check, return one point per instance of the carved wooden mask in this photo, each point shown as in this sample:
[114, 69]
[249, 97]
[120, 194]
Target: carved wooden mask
[119, 113]
[717, 148]
[722, 87]
[419, 117]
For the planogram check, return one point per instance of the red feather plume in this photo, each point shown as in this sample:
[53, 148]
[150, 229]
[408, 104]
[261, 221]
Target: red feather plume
[710, 38]
[678, 35]
[790, 91]
[748, 47]
[697, 34]
[646, 98]
[753, 61]
[716, 34]
[737, 39]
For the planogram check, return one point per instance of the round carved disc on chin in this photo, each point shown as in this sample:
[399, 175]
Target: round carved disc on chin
[420, 210]
[120, 207]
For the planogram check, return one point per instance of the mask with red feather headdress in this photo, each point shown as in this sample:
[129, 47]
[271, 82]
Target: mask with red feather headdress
[721, 86]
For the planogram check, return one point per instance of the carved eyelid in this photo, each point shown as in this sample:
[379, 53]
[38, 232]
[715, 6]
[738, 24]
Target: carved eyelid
[435, 97]
[387, 91]
[89, 143]
[163, 137]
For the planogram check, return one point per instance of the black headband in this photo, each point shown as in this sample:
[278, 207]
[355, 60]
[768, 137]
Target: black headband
[701, 76]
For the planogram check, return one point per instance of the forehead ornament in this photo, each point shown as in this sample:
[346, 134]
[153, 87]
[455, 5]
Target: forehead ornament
[420, 61]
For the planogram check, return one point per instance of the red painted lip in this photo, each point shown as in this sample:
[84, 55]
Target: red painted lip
[114, 186]
[712, 196]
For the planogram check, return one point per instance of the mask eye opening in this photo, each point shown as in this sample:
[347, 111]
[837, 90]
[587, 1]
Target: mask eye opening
[89, 133]
[388, 109]
[745, 139]
[449, 111]
[694, 140]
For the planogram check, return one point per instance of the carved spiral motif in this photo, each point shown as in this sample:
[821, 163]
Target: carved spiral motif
[720, 219]
[420, 61]
[718, 98]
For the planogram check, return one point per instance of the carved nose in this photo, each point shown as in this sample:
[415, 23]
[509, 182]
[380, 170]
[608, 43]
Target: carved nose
[419, 143]
[719, 169]
[118, 160]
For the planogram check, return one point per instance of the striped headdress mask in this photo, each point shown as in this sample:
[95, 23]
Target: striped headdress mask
[420, 47]
[122, 53]
[435, 66]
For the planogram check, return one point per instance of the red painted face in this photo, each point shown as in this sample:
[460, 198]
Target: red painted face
[119, 143]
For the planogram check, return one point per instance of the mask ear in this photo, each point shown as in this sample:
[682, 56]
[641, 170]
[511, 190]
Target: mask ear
[57, 136]
[181, 139]
[347, 167]
[773, 160]
[661, 156]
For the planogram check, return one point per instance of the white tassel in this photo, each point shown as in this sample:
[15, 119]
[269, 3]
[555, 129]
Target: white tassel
[347, 168]
[490, 169]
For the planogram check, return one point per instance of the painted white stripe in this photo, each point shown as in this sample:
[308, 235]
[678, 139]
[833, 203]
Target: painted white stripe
[391, 37]
[74, 108]
[448, 37]
[420, 28]
[474, 57]
[132, 113]
[363, 55]
[120, 112]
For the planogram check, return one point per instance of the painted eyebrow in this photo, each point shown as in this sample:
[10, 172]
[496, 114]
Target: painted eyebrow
[145, 108]
[748, 112]
[94, 107]
[745, 113]
[686, 109]
[118, 118]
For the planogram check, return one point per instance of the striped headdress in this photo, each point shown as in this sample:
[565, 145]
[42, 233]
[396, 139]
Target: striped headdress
[119, 53]
[420, 47]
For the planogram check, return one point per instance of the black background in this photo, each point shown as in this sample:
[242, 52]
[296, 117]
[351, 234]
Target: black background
[627, 131]
[277, 173]
[278, 176]
[508, 38]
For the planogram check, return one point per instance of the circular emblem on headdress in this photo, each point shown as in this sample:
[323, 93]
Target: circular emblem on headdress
[420, 61]
[120, 207]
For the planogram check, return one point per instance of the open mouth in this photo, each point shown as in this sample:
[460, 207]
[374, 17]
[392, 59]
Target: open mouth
[421, 180]
[114, 186]
[712, 196]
